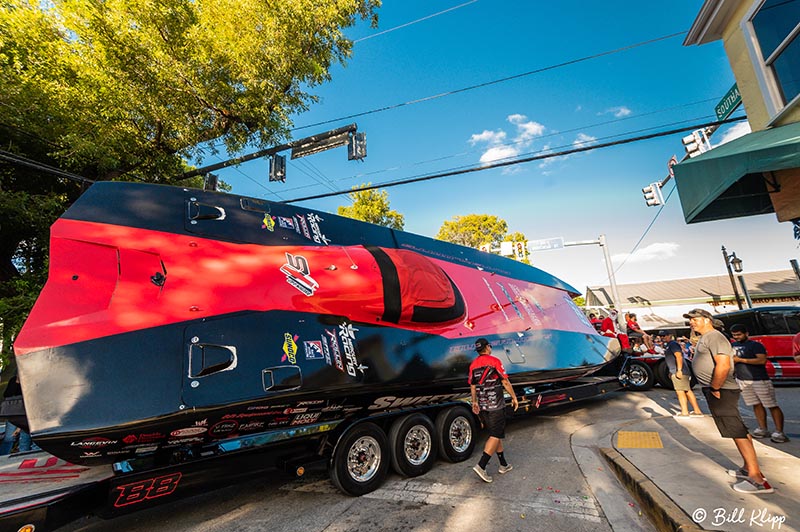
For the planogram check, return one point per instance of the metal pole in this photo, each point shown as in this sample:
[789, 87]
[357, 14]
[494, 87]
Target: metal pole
[730, 274]
[745, 292]
[610, 269]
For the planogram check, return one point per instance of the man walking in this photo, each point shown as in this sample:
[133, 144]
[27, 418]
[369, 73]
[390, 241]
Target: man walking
[713, 367]
[487, 379]
[680, 374]
[750, 368]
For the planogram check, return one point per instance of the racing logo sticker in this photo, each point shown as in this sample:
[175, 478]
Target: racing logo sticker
[337, 355]
[289, 348]
[313, 350]
[317, 235]
[298, 274]
[268, 223]
[286, 223]
[348, 333]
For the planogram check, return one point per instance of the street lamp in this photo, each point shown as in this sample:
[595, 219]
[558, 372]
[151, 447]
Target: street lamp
[736, 262]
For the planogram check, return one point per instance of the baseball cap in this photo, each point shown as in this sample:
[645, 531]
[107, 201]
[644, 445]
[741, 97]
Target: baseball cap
[698, 313]
[663, 333]
[480, 343]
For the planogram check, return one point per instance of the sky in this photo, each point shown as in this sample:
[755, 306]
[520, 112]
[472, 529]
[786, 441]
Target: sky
[582, 73]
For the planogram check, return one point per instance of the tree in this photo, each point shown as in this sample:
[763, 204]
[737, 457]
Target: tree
[132, 89]
[372, 206]
[473, 230]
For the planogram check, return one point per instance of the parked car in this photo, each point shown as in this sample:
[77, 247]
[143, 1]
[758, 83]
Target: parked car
[774, 327]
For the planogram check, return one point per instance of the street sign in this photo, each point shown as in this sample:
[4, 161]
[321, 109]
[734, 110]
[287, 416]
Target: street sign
[728, 103]
[545, 244]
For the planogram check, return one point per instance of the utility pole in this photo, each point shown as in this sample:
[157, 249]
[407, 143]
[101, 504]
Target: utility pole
[601, 241]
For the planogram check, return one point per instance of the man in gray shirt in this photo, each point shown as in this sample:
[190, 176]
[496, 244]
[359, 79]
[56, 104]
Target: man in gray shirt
[713, 367]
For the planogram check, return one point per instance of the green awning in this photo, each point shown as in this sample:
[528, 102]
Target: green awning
[727, 181]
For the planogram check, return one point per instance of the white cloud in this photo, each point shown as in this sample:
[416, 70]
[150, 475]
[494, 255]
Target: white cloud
[619, 111]
[496, 153]
[491, 137]
[583, 140]
[739, 130]
[527, 130]
[655, 251]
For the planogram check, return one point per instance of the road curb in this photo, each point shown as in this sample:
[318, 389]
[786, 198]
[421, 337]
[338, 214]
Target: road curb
[663, 512]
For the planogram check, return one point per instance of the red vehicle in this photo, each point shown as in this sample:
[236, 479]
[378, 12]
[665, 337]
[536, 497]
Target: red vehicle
[774, 327]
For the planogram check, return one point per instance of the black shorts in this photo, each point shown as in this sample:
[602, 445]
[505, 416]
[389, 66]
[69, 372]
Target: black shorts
[495, 422]
[725, 412]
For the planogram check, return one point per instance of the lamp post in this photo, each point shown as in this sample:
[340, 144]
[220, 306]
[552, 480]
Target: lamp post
[736, 262]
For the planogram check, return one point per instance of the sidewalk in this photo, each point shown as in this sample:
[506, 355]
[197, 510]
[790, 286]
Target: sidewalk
[677, 469]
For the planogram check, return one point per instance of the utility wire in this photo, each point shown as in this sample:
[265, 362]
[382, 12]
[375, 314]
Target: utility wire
[496, 81]
[30, 163]
[518, 161]
[414, 21]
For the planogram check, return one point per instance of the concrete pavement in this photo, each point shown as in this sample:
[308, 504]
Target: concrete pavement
[677, 470]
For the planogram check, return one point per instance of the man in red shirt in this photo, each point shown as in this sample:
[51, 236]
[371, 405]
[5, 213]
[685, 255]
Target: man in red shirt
[487, 379]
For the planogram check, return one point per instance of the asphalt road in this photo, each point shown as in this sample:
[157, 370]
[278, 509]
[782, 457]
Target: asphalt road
[559, 483]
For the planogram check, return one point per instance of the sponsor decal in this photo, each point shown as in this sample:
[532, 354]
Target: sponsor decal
[314, 402]
[115, 453]
[348, 333]
[251, 414]
[304, 419]
[251, 426]
[316, 233]
[146, 449]
[289, 348]
[201, 423]
[581, 316]
[525, 305]
[223, 427]
[303, 226]
[510, 300]
[91, 454]
[143, 490]
[313, 350]
[332, 408]
[188, 431]
[286, 223]
[326, 350]
[147, 437]
[298, 274]
[497, 306]
[390, 401]
[93, 443]
[268, 223]
[182, 441]
[294, 410]
[279, 421]
[337, 355]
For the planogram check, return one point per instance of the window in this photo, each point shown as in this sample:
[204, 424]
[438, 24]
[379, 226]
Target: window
[776, 25]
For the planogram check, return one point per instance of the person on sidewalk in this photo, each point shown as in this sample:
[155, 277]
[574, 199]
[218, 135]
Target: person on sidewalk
[713, 367]
[12, 433]
[487, 379]
[680, 373]
[796, 347]
[750, 368]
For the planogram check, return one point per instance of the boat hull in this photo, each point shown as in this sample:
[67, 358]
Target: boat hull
[176, 317]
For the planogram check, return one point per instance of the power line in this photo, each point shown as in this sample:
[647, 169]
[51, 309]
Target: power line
[19, 160]
[496, 81]
[414, 21]
[518, 161]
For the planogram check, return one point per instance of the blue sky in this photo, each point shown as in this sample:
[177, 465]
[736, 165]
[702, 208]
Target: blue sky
[427, 48]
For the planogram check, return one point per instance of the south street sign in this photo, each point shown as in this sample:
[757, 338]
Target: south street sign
[728, 103]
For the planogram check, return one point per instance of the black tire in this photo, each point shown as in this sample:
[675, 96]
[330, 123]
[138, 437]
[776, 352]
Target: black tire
[412, 440]
[456, 431]
[662, 375]
[360, 460]
[640, 376]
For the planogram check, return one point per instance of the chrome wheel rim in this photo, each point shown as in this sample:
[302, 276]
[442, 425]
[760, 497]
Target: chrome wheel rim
[460, 434]
[417, 445]
[364, 459]
[637, 376]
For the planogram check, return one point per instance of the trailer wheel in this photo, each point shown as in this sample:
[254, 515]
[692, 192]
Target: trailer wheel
[455, 429]
[413, 445]
[640, 376]
[361, 460]
[662, 375]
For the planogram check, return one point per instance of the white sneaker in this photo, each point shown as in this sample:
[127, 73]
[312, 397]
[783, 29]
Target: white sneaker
[760, 433]
[748, 486]
[740, 473]
[503, 469]
[482, 473]
[779, 437]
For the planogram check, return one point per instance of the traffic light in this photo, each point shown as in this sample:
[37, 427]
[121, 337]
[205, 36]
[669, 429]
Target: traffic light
[357, 146]
[652, 195]
[519, 250]
[277, 168]
[696, 143]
